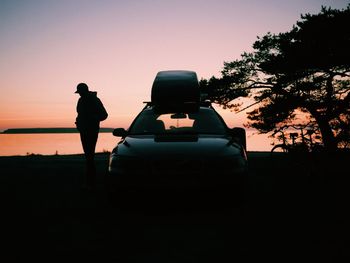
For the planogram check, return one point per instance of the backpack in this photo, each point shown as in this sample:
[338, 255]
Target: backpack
[102, 113]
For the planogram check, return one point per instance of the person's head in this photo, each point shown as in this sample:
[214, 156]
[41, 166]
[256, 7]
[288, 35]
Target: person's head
[82, 89]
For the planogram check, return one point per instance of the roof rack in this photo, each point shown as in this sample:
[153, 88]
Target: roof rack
[175, 90]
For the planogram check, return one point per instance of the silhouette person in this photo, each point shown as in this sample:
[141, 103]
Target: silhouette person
[90, 113]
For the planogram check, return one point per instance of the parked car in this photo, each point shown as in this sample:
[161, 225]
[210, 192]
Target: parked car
[178, 142]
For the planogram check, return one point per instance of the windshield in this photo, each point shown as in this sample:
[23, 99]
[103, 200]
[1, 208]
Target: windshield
[205, 121]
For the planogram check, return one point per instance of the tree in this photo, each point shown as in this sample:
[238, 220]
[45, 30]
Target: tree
[297, 78]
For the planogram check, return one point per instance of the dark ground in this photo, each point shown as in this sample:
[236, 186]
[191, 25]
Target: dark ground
[292, 209]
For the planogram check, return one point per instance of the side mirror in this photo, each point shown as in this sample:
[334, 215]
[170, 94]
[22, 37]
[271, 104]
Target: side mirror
[120, 132]
[240, 135]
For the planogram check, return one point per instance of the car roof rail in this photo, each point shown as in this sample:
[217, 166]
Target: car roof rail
[148, 104]
[206, 103]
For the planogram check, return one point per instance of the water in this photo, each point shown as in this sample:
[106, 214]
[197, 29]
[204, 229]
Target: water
[69, 143]
[49, 144]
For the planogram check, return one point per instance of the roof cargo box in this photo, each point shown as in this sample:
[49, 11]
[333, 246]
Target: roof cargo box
[176, 91]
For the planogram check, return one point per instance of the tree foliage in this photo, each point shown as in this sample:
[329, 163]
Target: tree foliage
[297, 78]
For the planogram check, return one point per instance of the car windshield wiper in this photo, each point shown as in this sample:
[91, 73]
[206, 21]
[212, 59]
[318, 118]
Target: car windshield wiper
[147, 133]
[211, 133]
[141, 133]
[183, 132]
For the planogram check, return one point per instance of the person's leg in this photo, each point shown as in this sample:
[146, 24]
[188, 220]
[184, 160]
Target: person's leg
[89, 140]
[90, 159]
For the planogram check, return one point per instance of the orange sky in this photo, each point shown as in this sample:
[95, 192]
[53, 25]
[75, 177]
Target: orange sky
[117, 47]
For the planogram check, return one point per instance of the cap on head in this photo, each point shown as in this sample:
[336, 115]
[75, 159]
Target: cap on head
[82, 88]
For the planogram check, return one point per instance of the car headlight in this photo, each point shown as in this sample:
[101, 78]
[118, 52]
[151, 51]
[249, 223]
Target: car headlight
[121, 161]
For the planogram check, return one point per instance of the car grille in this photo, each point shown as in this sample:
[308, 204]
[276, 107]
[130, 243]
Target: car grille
[177, 166]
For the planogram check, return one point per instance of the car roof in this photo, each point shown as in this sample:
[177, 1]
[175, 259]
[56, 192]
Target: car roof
[202, 105]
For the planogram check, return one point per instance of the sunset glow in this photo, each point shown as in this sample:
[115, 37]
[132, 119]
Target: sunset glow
[117, 47]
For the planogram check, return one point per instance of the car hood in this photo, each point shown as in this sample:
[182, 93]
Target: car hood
[148, 146]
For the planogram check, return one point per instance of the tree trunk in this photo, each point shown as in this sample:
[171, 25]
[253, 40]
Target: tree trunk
[328, 137]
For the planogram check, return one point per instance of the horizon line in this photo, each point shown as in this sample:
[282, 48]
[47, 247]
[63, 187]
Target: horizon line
[49, 130]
